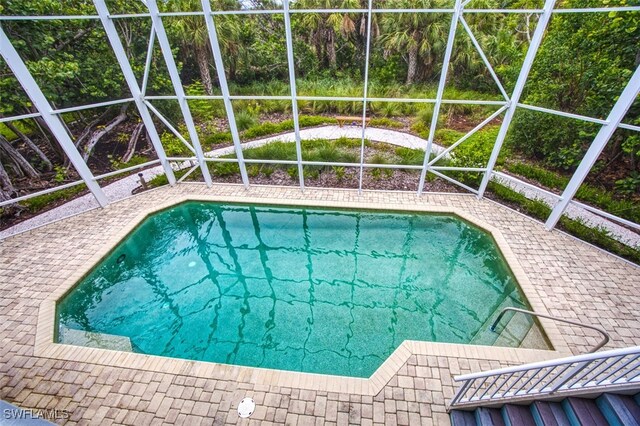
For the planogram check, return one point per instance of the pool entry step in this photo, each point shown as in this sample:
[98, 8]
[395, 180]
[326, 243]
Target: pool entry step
[607, 409]
[515, 331]
[69, 336]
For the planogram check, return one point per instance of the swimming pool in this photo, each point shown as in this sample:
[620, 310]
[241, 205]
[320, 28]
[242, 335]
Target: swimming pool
[301, 289]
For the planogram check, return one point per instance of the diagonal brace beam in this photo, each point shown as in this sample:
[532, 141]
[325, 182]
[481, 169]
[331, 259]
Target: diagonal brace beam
[132, 83]
[626, 99]
[163, 41]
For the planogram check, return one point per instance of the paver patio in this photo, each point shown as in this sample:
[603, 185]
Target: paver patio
[573, 280]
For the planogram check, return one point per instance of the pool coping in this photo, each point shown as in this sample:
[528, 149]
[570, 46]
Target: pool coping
[45, 330]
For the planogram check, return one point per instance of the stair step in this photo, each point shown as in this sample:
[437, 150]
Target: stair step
[583, 412]
[619, 410]
[549, 414]
[489, 417]
[462, 418]
[517, 415]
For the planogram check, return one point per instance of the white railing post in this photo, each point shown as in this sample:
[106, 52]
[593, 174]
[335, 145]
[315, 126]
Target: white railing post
[616, 115]
[536, 41]
[294, 93]
[224, 88]
[21, 72]
[132, 83]
[441, 85]
[163, 41]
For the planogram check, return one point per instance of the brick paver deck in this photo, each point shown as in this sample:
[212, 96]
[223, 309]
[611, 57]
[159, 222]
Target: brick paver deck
[573, 280]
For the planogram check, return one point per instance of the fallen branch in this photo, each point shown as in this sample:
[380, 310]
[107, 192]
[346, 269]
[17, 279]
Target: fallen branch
[133, 141]
[98, 134]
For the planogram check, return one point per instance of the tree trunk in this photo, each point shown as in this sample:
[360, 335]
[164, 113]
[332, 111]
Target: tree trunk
[331, 49]
[15, 156]
[413, 64]
[6, 187]
[203, 66]
[97, 135]
[131, 147]
[48, 136]
[32, 146]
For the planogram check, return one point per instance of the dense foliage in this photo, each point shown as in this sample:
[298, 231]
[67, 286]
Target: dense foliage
[582, 66]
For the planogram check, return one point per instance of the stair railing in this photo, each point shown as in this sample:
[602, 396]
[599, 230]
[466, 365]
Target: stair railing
[605, 335]
[598, 372]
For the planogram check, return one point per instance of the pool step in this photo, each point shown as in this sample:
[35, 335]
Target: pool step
[484, 335]
[513, 332]
[607, 409]
[535, 339]
[69, 336]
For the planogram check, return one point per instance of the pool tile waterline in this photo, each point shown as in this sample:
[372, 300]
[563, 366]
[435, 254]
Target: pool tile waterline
[304, 289]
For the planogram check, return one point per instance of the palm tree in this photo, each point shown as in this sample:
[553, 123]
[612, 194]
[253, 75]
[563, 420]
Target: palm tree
[324, 29]
[194, 37]
[421, 35]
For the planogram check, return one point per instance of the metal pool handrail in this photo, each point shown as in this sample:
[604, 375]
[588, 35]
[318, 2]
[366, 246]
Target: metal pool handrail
[605, 335]
[599, 372]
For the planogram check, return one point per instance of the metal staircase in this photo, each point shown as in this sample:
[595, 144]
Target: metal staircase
[593, 389]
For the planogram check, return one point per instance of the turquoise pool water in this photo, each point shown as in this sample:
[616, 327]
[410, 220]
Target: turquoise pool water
[303, 289]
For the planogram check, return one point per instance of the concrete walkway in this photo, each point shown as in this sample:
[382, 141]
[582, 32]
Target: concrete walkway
[123, 187]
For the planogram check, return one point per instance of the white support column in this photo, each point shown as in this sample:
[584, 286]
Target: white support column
[132, 83]
[365, 93]
[57, 127]
[224, 88]
[163, 41]
[441, 85]
[536, 41]
[294, 94]
[626, 99]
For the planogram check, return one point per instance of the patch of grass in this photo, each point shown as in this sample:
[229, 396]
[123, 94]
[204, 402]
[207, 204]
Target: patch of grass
[541, 211]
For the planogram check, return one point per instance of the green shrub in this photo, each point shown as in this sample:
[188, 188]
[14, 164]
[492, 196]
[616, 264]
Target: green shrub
[410, 157]
[447, 137]
[38, 203]
[224, 169]
[255, 131]
[245, 119]
[217, 138]
[173, 146]
[385, 122]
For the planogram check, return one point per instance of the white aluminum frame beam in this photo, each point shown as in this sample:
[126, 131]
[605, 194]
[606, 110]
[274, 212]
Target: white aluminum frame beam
[365, 94]
[54, 122]
[441, 85]
[132, 83]
[622, 105]
[163, 41]
[224, 88]
[293, 88]
[536, 41]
